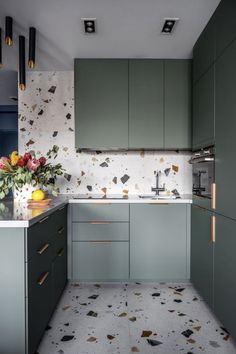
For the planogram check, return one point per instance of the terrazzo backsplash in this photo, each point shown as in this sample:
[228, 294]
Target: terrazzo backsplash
[46, 118]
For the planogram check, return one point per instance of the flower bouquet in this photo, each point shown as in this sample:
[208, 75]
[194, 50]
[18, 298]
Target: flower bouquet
[26, 173]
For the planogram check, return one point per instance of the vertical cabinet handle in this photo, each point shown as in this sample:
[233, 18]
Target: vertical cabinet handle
[213, 196]
[42, 278]
[213, 229]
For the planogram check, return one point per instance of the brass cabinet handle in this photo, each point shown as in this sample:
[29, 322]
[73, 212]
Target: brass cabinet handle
[61, 230]
[101, 241]
[44, 219]
[43, 248]
[213, 228]
[60, 253]
[43, 278]
[95, 222]
[213, 195]
[62, 207]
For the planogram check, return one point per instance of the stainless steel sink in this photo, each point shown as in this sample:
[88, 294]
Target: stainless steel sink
[158, 197]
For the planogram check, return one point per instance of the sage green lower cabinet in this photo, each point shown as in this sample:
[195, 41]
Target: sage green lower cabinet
[159, 242]
[224, 270]
[202, 252]
[98, 260]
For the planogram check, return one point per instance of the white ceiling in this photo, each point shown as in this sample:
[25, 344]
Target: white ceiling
[125, 29]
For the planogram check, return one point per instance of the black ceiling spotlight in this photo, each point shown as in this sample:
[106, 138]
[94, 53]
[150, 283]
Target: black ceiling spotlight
[32, 44]
[22, 79]
[89, 25]
[169, 25]
[0, 48]
[8, 31]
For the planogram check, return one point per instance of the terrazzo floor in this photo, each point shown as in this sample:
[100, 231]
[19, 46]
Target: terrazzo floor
[128, 318]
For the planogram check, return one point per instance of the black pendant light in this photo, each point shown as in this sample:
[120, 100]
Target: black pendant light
[8, 31]
[32, 44]
[22, 63]
[0, 48]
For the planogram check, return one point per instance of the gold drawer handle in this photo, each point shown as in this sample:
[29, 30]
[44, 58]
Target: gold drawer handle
[43, 249]
[62, 207]
[43, 278]
[101, 241]
[44, 219]
[61, 230]
[100, 222]
[213, 196]
[213, 229]
[60, 253]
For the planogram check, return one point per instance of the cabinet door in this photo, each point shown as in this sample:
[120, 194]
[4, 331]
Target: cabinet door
[202, 253]
[100, 261]
[177, 104]
[146, 120]
[224, 280]
[204, 50]
[158, 242]
[59, 274]
[225, 24]
[204, 111]
[225, 132]
[101, 103]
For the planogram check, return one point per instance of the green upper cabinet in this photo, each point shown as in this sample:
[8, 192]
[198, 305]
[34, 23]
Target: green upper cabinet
[225, 132]
[146, 104]
[225, 24]
[204, 50]
[101, 103]
[204, 110]
[177, 104]
[132, 104]
[202, 249]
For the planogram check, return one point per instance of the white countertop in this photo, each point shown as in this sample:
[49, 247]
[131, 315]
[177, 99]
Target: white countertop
[19, 215]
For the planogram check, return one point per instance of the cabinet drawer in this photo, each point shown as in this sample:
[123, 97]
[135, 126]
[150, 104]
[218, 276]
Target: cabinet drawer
[40, 234]
[100, 260]
[106, 231]
[100, 212]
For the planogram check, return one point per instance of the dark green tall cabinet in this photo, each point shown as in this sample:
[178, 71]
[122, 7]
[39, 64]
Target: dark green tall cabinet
[101, 103]
[204, 110]
[224, 269]
[226, 131]
[202, 252]
[146, 108]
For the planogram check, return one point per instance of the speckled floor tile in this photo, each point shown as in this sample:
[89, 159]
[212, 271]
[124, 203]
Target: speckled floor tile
[145, 318]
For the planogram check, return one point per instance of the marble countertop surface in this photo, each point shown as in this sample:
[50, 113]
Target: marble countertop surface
[19, 215]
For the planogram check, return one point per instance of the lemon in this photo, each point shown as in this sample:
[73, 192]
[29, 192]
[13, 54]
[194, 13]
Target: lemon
[38, 195]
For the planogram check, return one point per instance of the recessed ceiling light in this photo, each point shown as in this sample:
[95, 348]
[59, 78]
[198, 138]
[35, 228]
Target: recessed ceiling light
[169, 25]
[89, 25]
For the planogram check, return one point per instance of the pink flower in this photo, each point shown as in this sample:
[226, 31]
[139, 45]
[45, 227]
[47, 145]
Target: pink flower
[33, 164]
[3, 163]
[42, 161]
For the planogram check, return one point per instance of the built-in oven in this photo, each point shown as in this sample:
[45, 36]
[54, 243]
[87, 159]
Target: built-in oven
[203, 163]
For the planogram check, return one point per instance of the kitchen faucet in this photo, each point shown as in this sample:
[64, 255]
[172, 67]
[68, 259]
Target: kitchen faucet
[158, 189]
